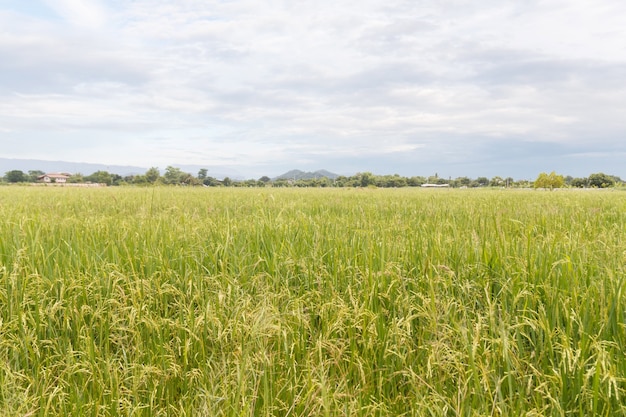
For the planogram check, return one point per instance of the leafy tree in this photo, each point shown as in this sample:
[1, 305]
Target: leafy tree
[173, 175]
[137, 179]
[325, 182]
[211, 182]
[391, 181]
[541, 181]
[416, 181]
[227, 181]
[366, 179]
[15, 176]
[280, 183]
[189, 179]
[579, 182]
[202, 174]
[116, 179]
[496, 182]
[601, 180]
[550, 181]
[152, 175]
[264, 181]
[34, 175]
[482, 181]
[340, 181]
[76, 178]
[100, 177]
[462, 182]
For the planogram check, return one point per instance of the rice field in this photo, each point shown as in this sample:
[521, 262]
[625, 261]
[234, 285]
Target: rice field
[326, 302]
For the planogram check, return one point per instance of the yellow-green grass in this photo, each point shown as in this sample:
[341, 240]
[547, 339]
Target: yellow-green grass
[240, 302]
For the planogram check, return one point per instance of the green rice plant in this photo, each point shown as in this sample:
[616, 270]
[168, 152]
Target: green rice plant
[223, 302]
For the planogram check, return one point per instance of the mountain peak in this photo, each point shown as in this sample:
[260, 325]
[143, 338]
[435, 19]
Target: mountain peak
[296, 174]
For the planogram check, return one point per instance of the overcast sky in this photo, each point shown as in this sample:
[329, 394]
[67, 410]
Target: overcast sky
[414, 87]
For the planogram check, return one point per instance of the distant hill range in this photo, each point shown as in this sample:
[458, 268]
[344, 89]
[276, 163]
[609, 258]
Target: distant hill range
[85, 168]
[296, 174]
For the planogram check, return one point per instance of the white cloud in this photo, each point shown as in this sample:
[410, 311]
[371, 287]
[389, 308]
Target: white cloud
[81, 13]
[270, 80]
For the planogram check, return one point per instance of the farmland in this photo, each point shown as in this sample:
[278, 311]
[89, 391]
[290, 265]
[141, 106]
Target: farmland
[173, 301]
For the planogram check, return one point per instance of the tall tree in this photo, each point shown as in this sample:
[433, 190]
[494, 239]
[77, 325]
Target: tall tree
[366, 178]
[482, 181]
[152, 175]
[15, 176]
[579, 182]
[496, 181]
[34, 175]
[601, 180]
[174, 175]
[550, 181]
[100, 177]
[76, 178]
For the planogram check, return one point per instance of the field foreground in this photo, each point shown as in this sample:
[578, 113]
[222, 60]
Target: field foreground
[241, 302]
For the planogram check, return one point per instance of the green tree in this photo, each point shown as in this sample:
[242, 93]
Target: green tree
[189, 179]
[15, 176]
[76, 178]
[116, 179]
[325, 182]
[392, 181]
[340, 181]
[34, 175]
[100, 177]
[462, 181]
[579, 182]
[601, 180]
[416, 181]
[549, 181]
[137, 179]
[211, 182]
[202, 174]
[173, 175]
[482, 181]
[541, 181]
[496, 182]
[227, 181]
[152, 175]
[366, 179]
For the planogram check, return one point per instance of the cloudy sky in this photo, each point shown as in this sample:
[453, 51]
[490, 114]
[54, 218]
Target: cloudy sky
[414, 87]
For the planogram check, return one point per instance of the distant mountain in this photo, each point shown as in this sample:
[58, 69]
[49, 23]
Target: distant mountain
[296, 174]
[86, 168]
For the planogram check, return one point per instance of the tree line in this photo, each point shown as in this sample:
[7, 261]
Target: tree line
[175, 176]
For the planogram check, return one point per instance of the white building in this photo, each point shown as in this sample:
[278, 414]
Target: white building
[56, 178]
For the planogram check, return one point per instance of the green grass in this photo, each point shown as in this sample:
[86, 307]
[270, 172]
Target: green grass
[241, 302]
